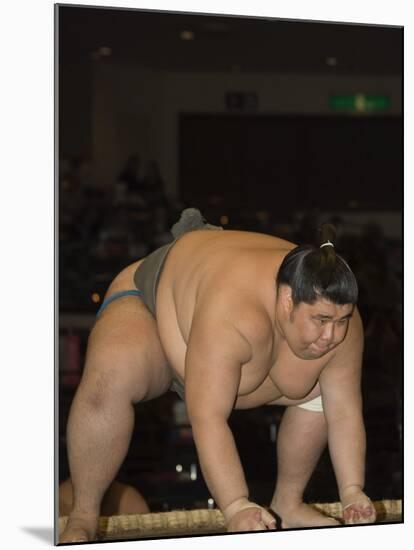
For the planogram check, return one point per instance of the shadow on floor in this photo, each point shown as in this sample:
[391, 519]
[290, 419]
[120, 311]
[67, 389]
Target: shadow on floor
[42, 533]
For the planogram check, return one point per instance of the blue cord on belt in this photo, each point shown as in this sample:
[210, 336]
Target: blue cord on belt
[116, 296]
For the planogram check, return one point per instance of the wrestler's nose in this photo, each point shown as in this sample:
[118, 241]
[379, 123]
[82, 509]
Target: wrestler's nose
[328, 333]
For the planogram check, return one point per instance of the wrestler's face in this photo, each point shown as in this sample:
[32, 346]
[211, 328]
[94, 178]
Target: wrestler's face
[312, 330]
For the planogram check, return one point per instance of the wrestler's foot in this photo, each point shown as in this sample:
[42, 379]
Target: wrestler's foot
[302, 515]
[79, 530]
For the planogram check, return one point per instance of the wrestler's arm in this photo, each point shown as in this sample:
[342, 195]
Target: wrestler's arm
[340, 384]
[216, 352]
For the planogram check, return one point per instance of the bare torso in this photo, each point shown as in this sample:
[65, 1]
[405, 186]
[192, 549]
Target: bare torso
[229, 269]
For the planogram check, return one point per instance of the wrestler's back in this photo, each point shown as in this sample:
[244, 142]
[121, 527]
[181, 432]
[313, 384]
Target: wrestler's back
[214, 264]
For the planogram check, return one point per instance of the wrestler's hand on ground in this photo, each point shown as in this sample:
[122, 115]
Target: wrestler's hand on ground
[357, 507]
[243, 515]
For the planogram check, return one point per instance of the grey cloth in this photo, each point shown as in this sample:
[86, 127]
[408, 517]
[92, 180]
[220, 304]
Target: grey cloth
[178, 387]
[148, 274]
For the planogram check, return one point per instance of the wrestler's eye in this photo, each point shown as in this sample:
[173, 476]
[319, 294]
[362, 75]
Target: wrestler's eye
[321, 321]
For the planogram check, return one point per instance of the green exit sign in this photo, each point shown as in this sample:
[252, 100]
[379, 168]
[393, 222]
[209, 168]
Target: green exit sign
[359, 103]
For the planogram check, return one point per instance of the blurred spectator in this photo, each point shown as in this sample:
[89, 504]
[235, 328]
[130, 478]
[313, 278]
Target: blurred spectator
[308, 226]
[72, 197]
[130, 181]
[154, 186]
[378, 285]
[119, 233]
[161, 224]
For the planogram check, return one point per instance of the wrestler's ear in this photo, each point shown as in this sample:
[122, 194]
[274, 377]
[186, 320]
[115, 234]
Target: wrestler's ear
[285, 297]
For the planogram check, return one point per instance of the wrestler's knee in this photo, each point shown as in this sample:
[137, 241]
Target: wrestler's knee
[112, 375]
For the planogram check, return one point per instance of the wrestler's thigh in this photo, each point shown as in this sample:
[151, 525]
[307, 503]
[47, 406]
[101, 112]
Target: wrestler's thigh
[285, 401]
[124, 352]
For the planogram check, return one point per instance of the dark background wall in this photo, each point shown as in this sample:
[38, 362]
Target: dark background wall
[75, 106]
[290, 162]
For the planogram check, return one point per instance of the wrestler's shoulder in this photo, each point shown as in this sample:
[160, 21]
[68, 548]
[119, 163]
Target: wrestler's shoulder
[355, 332]
[352, 345]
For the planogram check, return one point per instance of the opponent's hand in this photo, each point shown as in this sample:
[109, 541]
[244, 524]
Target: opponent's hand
[244, 515]
[357, 507]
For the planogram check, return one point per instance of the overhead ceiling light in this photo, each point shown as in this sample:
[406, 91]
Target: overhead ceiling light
[187, 35]
[331, 61]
